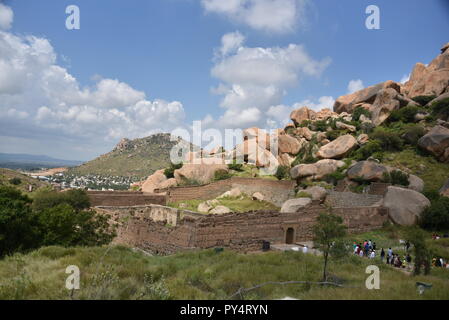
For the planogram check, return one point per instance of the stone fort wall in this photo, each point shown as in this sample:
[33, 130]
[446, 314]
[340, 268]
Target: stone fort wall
[274, 191]
[125, 198]
[166, 231]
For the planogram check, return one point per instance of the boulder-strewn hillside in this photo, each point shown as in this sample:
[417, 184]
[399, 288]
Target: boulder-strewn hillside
[390, 132]
[137, 158]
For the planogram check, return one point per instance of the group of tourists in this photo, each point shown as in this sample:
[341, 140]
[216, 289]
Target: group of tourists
[440, 263]
[367, 249]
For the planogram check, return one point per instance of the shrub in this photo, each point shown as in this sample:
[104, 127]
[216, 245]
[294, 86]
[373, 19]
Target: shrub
[282, 173]
[367, 150]
[221, 175]
[440, 109]
[358, 112]
[396, 177]
[170, 171]
[334, 134]
[436, 217]
[235, 166]
[77, 199]
[15, 181]
[413, 133]
[389, 141]
[63, 225]
[17, 222]
[320, 125]
[423, 100]
[406, 114]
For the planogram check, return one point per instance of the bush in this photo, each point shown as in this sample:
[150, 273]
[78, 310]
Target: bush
[406, 114]
[282, 173]
[17, 222]
[436, 217]
[320, 125]
[235, 166]
[440, 109]
[423, 100]
[334, 134]
[77, 199]
[63, 225]
[170, 171]
[413, 133]
[396, 177]
[358, 112]
[221, 175]
[389, 141]
[367, 150]
[15, 181]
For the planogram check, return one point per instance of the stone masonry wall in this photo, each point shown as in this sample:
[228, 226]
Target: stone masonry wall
[274, 191]
[238, 231]
[109, 198]
[352, 200]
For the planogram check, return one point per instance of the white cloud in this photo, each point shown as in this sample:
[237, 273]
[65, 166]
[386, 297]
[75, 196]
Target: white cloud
[40, 96]
[230, 42]
[278, 16]
[405, 78]
[355, 85]
[6, 17]
[255, 80]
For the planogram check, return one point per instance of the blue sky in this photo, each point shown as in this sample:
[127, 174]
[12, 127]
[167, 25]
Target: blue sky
[139, 67]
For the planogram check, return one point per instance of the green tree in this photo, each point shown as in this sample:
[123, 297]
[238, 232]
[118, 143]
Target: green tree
[78, 199]
[282, 173]
[65, 226]
[18, 230]
[170, 171]
[417, 238]
[436, 217]
[327, 232]
[15, 181]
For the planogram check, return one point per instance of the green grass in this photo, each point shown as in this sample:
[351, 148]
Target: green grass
[433, 173]
[120, 273]
[236, 204]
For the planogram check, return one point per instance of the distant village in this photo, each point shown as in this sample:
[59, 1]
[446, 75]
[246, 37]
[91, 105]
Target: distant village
[64, 180]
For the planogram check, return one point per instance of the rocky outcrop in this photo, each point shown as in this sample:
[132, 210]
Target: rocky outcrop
[437, 143]
[302, 114]
[233, 193]
[220, 210]
[362, 139]
[317, 170]
[316, 193]
[338, 148]
[344, 126]
[290, 145]
[259, 136]
[429, 80]
[294, 205]
[154, 181]
[201, 173]
[368, 95]
[367, 171]
[405, 205]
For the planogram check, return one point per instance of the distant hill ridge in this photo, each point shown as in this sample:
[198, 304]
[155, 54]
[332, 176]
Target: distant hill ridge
[133, 158]
[29, 161]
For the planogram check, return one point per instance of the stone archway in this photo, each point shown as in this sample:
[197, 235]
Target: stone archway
[290, 236]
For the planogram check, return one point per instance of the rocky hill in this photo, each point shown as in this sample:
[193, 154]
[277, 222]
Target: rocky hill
[132, 158]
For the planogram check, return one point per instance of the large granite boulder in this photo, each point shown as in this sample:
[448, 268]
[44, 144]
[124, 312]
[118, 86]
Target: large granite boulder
[429, 80]
[301, 114]
[220, 210]
[338, 148]
[437, 143]
[317, 170]
[290, 145]
[405, 205]
[259, 136]
[367, 170]
[316, 193]
[154, 181]
[444, 191]
[368, 95]
[201, 173]
[295, 205]
[252, 153]
[386, 102]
